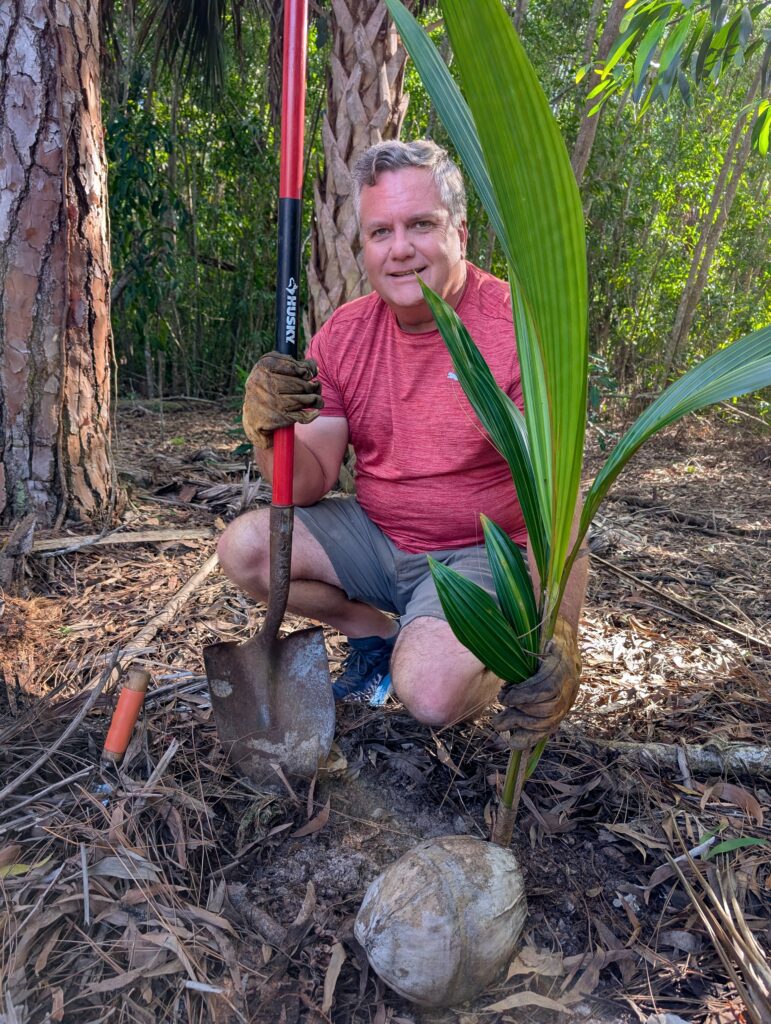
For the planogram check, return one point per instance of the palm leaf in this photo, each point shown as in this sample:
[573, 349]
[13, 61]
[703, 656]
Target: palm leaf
[538, 200]
[537, 213]
[190, 34]
[499, 416]
[457, 118]
[735, 370]
[477, 621]
[512, 585]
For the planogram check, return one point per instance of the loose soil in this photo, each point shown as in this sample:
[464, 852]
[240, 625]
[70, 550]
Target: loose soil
[167, 890]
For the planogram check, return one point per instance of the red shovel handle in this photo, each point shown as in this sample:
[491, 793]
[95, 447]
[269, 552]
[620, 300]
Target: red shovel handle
[290, 222]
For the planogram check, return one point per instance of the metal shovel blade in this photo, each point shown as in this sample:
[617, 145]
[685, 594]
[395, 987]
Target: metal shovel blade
[273, 702]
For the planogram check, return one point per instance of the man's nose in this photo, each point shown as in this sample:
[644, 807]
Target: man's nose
[401, 245]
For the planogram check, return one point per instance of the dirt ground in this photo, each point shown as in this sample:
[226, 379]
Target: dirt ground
[168, 891]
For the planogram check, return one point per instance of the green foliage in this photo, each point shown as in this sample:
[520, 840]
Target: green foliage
[144, 212]
[193, 210]
[663, 43]
[193, 194]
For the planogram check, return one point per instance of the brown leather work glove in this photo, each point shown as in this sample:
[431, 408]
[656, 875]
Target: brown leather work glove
[536, 706]
[280, 391]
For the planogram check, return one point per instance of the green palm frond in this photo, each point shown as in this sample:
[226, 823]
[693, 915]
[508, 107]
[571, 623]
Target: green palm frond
[189, 35]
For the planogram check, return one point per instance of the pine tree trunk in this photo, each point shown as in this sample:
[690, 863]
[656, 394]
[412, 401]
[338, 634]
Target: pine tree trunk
[54, 265]
[365, 104]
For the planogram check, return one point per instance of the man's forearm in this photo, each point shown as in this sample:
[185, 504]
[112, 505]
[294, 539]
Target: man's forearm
[309, 483]
[575, 590]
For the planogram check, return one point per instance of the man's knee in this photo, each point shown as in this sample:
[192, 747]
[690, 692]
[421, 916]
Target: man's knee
[436, 678]
[243, 548]
[426, 701]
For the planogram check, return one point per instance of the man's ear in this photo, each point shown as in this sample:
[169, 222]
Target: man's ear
[463, 232]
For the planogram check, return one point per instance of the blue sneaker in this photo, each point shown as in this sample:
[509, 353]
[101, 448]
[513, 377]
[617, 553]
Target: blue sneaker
[365, 676]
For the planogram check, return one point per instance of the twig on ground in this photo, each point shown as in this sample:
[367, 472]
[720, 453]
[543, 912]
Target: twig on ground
[661, 592]
[65, 546]
[170, 609]
[734, 758]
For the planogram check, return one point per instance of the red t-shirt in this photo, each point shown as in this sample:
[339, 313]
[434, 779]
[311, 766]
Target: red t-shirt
[425, 468]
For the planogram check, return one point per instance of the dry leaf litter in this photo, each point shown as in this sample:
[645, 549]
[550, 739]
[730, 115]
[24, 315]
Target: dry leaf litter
[166, 890]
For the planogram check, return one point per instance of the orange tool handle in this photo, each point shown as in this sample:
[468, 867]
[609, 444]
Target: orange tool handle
[125, 716]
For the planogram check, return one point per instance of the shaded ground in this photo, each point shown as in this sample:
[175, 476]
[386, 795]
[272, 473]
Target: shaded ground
[168, 891]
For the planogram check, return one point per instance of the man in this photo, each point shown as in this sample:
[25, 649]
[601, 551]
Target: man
[380, 377]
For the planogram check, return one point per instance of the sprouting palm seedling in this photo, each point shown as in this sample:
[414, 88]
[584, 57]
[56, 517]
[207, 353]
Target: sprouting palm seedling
[511, 147]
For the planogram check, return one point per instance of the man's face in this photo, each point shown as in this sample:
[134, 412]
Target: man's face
[406, 229]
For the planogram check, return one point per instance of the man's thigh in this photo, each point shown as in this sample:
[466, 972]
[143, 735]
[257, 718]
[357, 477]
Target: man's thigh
[309, 560]
[358, 552]
[424, 600]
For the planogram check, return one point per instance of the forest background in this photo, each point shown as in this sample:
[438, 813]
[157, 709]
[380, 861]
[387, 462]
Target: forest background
[676, 201]
[193, 204]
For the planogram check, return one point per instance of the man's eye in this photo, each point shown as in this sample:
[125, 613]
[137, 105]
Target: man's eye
[379, 232]
[423, 224]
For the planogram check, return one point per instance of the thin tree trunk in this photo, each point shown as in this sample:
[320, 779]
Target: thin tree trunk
[591, 30]
[587, 132]
[520, 14]
[723, 194]
[54, 265]
[149, 373]
[365, 105]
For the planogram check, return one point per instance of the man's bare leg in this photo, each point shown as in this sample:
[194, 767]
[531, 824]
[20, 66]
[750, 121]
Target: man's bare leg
[315, 590]
[437, 679]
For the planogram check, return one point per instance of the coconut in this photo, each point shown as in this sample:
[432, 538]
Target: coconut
[440, 923]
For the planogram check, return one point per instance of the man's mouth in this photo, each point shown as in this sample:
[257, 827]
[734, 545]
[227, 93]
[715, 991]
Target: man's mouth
[407, 273]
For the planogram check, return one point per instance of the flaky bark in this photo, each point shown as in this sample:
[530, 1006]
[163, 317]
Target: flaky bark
[54, 264]
[365, 105]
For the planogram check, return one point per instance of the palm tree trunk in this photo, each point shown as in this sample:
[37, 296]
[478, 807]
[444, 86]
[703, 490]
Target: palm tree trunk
[365, 104]
[54, 266]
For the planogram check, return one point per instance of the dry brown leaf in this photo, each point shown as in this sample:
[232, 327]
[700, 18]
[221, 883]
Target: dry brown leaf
[173, 821]
[125, 866]
[118, 981]
[201, 914]
[57, 1004]
[9, 854]
[444, 756]
[641, 840]
[513, 1002]
[733, 794]
[536, 961]
[336, 961]
[315, 824]
[336, 762]
[42, 958]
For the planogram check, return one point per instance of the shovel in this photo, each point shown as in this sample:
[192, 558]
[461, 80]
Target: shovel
[272, 696]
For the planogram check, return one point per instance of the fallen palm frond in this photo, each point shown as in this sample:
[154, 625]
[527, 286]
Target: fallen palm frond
[722, 915]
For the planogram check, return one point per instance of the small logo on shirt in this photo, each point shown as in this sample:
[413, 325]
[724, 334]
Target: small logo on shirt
[452, 376]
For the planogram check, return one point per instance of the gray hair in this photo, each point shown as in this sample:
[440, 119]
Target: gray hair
[393, 156]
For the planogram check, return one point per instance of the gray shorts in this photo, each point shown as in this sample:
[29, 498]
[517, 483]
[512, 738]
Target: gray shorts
[372, 569]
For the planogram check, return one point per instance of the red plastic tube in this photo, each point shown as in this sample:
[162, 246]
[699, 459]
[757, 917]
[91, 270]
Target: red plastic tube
[125, 716]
